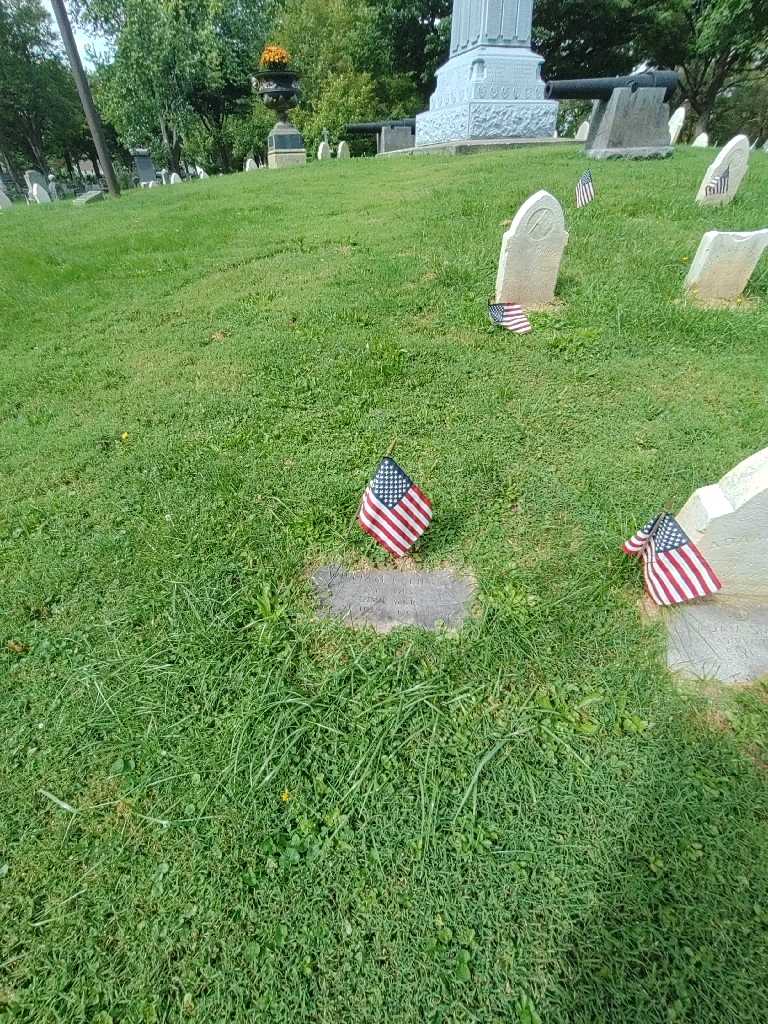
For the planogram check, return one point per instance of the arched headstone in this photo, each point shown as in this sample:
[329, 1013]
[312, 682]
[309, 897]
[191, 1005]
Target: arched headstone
[342, 151]
[701, 141]
[724, 263]
[582, 132]
[40, 195]
[324, 151]
[531, 251]
[676, 123]
[5, 202]
[731, 162]
[175, 179]
[726, 636]
[251, 165]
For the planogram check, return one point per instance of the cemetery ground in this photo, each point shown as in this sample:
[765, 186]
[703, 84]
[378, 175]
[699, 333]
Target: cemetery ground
[215, 807]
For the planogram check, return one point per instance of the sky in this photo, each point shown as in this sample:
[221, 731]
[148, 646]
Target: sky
[85, 41]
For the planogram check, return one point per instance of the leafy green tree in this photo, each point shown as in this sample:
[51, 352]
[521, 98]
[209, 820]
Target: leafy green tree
[743, 109]
[416, 36]
[585, 38]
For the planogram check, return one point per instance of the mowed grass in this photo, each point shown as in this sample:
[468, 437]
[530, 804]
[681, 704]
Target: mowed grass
[277, 819]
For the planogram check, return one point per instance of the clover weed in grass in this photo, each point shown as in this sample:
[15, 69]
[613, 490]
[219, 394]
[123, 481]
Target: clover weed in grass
[272, 818]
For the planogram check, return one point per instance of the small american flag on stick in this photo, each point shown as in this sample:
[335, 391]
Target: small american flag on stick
[509, 315]
[585, 190]
[394, 511]
[675, 570]
[718, 186]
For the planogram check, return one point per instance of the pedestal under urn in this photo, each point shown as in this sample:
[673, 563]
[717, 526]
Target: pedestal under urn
[279, 89]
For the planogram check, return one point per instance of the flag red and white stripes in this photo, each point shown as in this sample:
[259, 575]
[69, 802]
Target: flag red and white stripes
[394, 511]
[674, 569]
[509, 315]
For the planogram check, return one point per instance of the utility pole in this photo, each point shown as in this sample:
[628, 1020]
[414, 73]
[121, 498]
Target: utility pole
[84, 89]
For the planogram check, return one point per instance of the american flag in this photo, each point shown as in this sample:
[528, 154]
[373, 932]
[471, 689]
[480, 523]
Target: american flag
[719, 184]
[394, 511]
[509, 315]
[675, 570]
[585, 190]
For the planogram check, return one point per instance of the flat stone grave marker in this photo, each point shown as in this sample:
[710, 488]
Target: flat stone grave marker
[676, 123]
[723, 264]
[734, 158]
[531, 251]
[582, 132]
[40, 195]
[94, 196]
[388, 598]
[725, 637]
[701, 141]
[324, 151]
[342, 151]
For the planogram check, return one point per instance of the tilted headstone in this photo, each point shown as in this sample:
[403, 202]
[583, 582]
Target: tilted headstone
[342, 151]
[40, 195]
[701, 141]
[35, 178]
[323, 151]
[251, 165]
[531, 251]
[726, 636]
[733, 158]
[94, 196]
[5, 202]
[582, 132]
[676, 123]
[724, 264]
[175, 179]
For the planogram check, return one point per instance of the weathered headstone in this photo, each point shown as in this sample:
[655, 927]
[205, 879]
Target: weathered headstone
[724, 263]
[94, 196]
[165, 176]
[40, 195]
[701, 141]
[725, 636]
[5, 202]
[582, 132]
[386, 599]
[201, 173]
[323, 151]
[175, 179]
[531, 251]
[733, 158]
[34, 178]
[676, 123]
[251, 165]
[143, 166]
[342, 151]
[53, 188]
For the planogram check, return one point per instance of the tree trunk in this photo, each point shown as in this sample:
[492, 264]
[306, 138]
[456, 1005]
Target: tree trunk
[172, 146]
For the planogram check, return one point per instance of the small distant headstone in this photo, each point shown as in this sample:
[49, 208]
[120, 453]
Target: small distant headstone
[34, 178]
[324, 151]
[731, 162]
[94, 196]
[531, 251]
[725, 637]
[701, 141]
[5, 202]
[201, 172]
[386, 599]
[40, 195]
[676, 123]
[153, 184]
[724, 263]
[582, 132]
[53, 189]
[165, 177]
[143, 166]
[342, 151]
[175, 179]
[251, 165]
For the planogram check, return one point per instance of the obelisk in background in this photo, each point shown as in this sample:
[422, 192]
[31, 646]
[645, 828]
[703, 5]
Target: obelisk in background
[491, 87]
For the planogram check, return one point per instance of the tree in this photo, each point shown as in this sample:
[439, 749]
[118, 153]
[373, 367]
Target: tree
[585, 38]
[416, 35]
[716, 44]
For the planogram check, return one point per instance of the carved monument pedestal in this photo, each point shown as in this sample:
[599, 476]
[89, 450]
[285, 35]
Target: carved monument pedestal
[491, 87]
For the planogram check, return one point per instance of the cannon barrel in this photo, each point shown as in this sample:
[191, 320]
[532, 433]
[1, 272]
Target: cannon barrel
[372, 127]
[601, 88]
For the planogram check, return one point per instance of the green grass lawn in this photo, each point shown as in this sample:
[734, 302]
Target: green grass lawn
[277, 819]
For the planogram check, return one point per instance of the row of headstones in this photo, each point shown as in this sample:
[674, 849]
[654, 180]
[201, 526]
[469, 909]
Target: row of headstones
[324, 151]
[42, 192]
[532, 248]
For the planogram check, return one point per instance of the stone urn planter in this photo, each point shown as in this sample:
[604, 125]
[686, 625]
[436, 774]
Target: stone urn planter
[279, 90]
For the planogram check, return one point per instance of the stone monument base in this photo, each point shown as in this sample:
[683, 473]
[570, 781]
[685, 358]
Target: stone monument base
[286, 158]
[630, 125]
[474, 146]
[285, 147]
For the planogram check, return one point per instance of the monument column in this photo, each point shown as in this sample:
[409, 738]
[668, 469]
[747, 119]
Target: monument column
[491, 87]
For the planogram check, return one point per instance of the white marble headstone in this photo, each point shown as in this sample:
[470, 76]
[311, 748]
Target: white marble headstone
[582, 132]
[251, 165]
[175, 179]
[34, 178]
[733, 157]
[40, 195]
[676, 123]
[342, 151]
[323, 151]
[5, 202]
[531, 251]
[701, 141]
[725, 636]
[724, 263]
